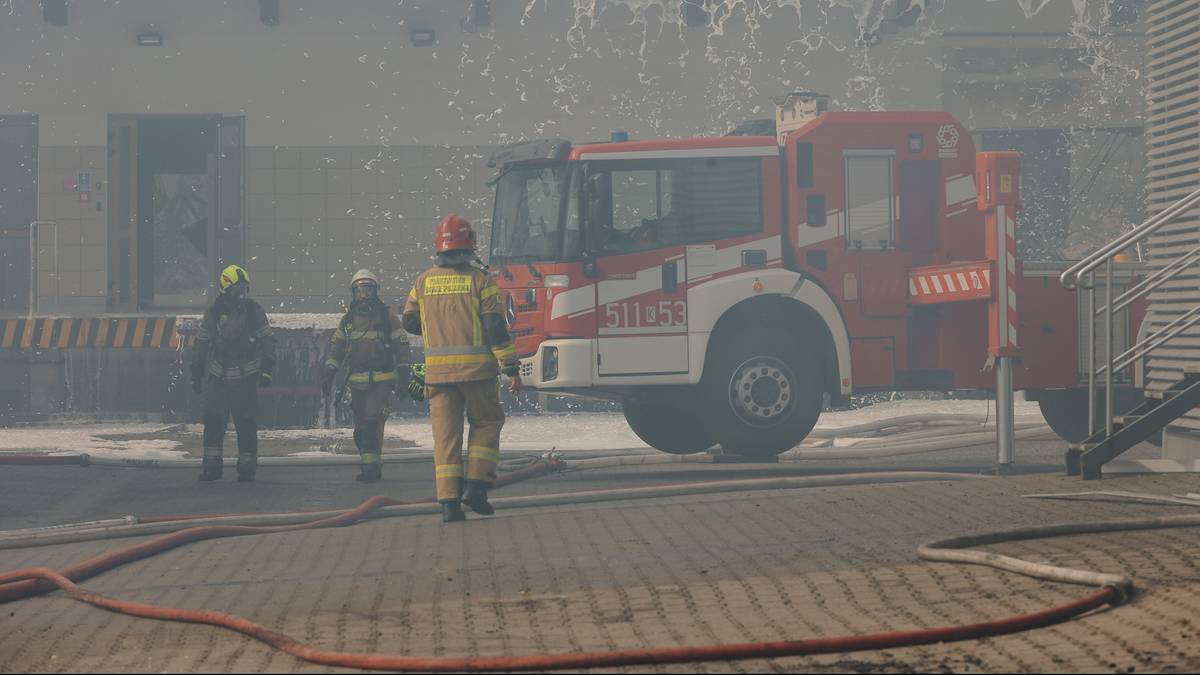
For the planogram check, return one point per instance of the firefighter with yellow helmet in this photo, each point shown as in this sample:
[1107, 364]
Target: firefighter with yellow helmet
[455, 306]
[233, 356]
[371, 343]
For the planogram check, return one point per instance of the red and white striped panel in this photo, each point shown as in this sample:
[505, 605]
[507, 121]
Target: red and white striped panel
[1007, 220]
[950, 283]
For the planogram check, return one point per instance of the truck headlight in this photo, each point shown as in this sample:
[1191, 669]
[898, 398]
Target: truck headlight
[549, 364]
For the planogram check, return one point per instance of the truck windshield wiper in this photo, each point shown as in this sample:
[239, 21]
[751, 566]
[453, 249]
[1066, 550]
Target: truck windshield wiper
[527, 258]
[521, 258]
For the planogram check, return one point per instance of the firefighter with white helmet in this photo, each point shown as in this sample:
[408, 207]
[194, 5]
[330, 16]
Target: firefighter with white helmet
[233, 356]
[371, 343]
[456, 307]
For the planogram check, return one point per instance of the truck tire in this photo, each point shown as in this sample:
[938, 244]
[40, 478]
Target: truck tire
[667, 428]
[1066, 411]
[762, 392]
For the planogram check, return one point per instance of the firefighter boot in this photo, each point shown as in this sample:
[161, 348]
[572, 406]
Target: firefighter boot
[210, 467]
[475, 496]
[247, 466]
[452, 512]
[370, 472]
[247, 463]
[366, 436]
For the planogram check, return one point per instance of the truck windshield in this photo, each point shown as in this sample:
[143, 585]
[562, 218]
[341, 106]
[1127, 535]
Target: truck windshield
[531, 222]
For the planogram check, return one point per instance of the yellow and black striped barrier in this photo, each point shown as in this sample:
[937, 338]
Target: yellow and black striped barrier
[142, 332]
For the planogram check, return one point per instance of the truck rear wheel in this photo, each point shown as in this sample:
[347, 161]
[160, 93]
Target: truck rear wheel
[1066, 411]
[667, 428]
[762, 393]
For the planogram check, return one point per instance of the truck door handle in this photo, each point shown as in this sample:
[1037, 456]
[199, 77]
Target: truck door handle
[670, 277]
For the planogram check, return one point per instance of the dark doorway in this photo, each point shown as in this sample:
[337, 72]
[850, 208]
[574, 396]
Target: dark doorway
[176, 195]
[18, 208]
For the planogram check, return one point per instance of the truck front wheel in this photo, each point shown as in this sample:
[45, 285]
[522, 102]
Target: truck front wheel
[762, 392]
[668, 428]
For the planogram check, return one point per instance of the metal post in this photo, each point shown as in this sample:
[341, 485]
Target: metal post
[1091, 353]
[1004, 415]
[33, 269]
[1108, 349]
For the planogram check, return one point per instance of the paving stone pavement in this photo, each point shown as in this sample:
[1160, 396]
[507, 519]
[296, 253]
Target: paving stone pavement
[769, 565]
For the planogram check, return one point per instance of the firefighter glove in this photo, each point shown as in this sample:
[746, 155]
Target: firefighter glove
[327, 380]
[416, 386]
[511, 368]
[264, 379]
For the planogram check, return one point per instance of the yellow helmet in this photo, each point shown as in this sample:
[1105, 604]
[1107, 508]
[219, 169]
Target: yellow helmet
[232, 275]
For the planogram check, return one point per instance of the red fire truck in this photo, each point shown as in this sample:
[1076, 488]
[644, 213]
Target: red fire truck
[721, 288]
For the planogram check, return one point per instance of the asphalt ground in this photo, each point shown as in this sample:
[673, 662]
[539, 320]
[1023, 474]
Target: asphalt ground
[766, 565]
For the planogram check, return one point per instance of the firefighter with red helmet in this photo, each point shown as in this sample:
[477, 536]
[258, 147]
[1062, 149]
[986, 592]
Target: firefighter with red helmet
[455, 306]
[371, 343]
[233, 356]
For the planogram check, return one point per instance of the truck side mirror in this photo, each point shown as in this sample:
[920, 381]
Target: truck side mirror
[589, 265]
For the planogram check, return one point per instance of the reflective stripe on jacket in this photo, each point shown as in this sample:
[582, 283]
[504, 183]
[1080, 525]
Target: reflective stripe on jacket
[361, 341]
[234, 341]
[451, 302]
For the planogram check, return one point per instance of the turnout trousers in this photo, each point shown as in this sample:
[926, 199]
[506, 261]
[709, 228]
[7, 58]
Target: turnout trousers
[371, 405]
[239, 398]
[481, 401]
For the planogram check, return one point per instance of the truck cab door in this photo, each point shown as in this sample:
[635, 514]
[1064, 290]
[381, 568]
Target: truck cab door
[641, 271]
[872, 211]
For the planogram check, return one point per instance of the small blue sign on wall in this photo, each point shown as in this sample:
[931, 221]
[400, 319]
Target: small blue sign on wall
[85, 182]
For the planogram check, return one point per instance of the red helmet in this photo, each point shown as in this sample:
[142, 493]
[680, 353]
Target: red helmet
[454, 233]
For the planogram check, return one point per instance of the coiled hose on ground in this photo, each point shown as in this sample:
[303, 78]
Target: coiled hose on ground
[1113, 589]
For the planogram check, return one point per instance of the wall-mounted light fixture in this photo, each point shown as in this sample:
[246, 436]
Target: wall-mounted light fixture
[694, 13]
[479, 13]
[54, 12]
[268, 12]
[421, 37]
[150, 39]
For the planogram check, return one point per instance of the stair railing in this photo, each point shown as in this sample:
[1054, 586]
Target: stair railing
[1083, 275]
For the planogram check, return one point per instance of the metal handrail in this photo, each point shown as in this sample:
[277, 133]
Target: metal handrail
[1153, 281]
[1181, 323]
[1083, 275]
[1071, 278]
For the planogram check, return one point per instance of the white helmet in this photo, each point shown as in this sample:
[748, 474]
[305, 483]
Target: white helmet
[364, 276]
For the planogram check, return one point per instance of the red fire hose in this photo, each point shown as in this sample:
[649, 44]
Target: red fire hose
[627, 657]
[10, 590]
[31, 581]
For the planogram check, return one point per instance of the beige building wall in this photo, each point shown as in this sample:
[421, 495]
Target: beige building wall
[72, 247]
[357, 140]
[315, 215]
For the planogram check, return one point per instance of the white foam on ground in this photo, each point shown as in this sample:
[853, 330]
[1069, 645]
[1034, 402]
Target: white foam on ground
[534, 433]
[84, 438]
[887, 409]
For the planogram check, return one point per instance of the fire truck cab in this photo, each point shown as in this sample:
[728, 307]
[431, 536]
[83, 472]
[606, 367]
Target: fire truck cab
[721, 287]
